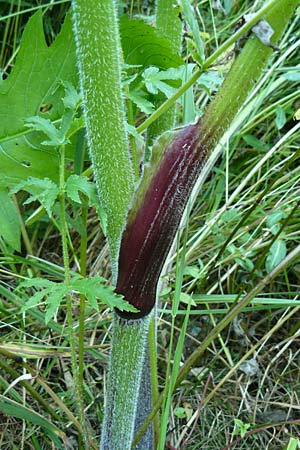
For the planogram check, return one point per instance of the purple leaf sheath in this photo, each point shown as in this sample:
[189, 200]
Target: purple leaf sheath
[152, 226]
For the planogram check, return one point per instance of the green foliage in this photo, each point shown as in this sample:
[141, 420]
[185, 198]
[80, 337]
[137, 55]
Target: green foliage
[47, 192]
[276, 254]
[9, 224]
[41, 189]
[293, 444]
[34, 88]
[195, 44]
[228, 189]
[280, 118]
[54, 294]
[154, 80]
[144, 46]
[240, 428]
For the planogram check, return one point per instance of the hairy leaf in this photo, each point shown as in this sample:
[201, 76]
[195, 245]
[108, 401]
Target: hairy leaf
[42, 190]
[95, 288]
[53, 294]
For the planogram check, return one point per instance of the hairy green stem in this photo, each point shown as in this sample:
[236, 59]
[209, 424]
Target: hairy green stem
[126, 363]
[154, 374]
[99, 62]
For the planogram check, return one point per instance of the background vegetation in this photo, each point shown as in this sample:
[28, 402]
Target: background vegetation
[242, 224]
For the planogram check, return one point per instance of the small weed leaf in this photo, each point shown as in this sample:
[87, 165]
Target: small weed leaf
[240, 428]
[52, 294]
[72, 99]
[273, 221]
[138, 98]
[77, 184]
[280, 119]
[132, 130]
[255, 143]
[154, 83]
[56, 137]
[95, 288]
[292, 76]
[189, 16]
[42, 190]
[277, 253]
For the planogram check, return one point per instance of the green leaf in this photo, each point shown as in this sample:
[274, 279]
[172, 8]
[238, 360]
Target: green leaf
[95, 288]
[79, 183]
[144, 46]
[245, 263]
[280, 119]
[132, 130]
[141, 102]
[180, 412]
[275, 218]
[9, 223]
[55, 296]
[240, 428]
[227, 6]
[276, 254]
[53, 292]
[292, 76]
[72, 98]
[187, 299]
[35, 300]
[42, 190]
[192, 271]
[36, 282]
[254, 142]
[56, 138]
[293, 444]
[273, 221]
[230, 215]
[153, 80]
[210, 80]
[191, 20]
[34, 88]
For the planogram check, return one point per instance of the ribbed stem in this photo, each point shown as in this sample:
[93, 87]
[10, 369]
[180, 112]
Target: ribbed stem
[126, 363]
[169, 26]
[99, 62]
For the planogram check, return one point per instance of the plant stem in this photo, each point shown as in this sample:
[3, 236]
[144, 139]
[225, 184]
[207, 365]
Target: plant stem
[72, 339]
[207, 63]
[126, 363]
[153, 374]
[83, 249]
[168, 25]
[99, 61]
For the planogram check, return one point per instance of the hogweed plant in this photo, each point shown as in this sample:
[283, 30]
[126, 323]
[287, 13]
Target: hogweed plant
[145, 184]
[143, 220]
